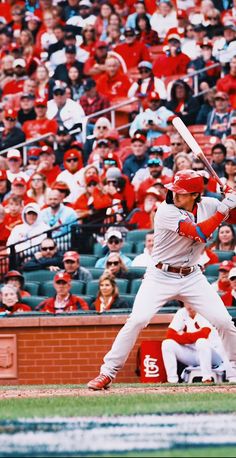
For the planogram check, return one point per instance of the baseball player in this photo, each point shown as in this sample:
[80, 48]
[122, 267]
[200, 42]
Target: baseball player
[193, 341]
[182, 225]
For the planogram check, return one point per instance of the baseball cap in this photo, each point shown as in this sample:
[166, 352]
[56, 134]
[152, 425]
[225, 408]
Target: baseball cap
[138, 137]
[113, 173]
[60, 86]
[40, 102]
[13, 154]
[146, 64]
[32, 17]
[20, 181]
[71, 255]
[85, 3]
[72, 153]
[10, 113]
[181, 14]
[19, 63]
[226, 265]
[3, 175]
[92, 179]
[13, 274]
[25, 95]
[33, 153]
[62, 130]
[70, 49]
[155, 150]
[69, 34]
[174, 36]
[129, 32]
[231, 159]
[31, 208]
[46, 150]
[206, 42]
[61, 186]
[229, 26]
[113, 134]
[102, 142]
[154, 191]
[64, 276]
[101, 44]
[113, 233]
[222, 95]
[232, 273]
[89, 84]
[153, 95]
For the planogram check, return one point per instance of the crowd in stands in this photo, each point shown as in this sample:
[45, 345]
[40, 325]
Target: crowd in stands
[61, 63]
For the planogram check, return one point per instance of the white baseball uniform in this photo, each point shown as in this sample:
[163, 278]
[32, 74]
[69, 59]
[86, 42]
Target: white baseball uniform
[206, 352]
[160, 286]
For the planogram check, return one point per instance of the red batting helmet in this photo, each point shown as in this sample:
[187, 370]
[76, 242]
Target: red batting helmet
[186, 182]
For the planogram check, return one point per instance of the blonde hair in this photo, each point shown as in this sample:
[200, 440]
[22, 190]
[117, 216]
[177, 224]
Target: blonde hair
[108, 276]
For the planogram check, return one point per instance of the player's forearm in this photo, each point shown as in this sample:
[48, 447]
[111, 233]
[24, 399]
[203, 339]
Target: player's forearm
[201, 231]
[188, 337]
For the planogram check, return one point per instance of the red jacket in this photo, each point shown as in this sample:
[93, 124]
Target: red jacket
[171, 65]
[228, 84]
[228, 299]
[117, 86]
[133, 53]
[17, 308]
[74, 303]
[38, 127]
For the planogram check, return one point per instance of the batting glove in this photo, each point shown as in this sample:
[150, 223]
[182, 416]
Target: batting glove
[227, 204]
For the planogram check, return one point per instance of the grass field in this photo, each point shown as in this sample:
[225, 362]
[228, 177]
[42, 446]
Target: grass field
[110, 404]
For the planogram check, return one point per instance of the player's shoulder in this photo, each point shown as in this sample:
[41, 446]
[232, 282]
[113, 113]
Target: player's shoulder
[209, 202]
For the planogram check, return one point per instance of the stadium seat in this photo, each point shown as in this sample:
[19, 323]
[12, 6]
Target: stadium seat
[88, 260]
[32, 287]
[211, 278]
[33, 301]
[224, 255]
[212, 270]
[131, 255]
[135, 284]
[88, 299]
[197, 128]
[129, 298]
[96, 273]
[139, 247]
[92, 286]
[137, 235]
[47, 288]
[39, 275]
[137, 272]
[98, 250]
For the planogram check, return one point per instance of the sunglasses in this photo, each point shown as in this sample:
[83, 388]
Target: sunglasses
[101, 127]
[144, 70]
[61, 282]
[153, 163]
[93, 183]
[113, 263]
[37, 179]
[47, 248]
[129, 35]
[72, 159]
[69, 261]
[109, 162]
[176, 144]
[10, 119]
[59, 92]
[115, 241]
[114, 182]
[219, 98]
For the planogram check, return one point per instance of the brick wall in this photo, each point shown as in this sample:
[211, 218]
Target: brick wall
[70, 349]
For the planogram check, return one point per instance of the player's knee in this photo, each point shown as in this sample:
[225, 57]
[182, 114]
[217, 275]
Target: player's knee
[202, 344]
[168, 345]
[225, 324]
[138, 321]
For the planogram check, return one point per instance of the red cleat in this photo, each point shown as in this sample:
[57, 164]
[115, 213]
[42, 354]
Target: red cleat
[100, 382]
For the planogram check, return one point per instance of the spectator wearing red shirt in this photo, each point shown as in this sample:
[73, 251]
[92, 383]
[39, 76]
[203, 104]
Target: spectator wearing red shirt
[63, 301]
[228, 83]
[46, 164]
[113, 83]
[14, 209]
[132, 51]
[10, 301]
[16, 85]
[41, 125]
[144, 215]
[95, 65]
[155, 170]
[19, 188]
[174, 61]
[223, 284]
[229, 298]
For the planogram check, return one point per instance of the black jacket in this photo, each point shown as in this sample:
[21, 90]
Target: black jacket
[43, 263]
[61, 71]
[14, 137]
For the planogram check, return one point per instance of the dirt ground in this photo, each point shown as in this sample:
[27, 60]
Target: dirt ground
[24, 392]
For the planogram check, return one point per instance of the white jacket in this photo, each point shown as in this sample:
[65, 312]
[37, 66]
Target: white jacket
[71, 114]
[25, 231]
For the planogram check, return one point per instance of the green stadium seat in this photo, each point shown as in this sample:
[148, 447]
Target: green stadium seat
[138, 235]
[224, 255]
[127, 247]
[88, 299]
[131, 255]
[129, 298]
[33, 301]
[47, 288]
[39, 275]
[137, 272]
[92, 286]
[211, 279]
[96, 273]
[135, 284]
[88, 260]
[140, 247]
[212, 270]
[98, 250]
[32, 287]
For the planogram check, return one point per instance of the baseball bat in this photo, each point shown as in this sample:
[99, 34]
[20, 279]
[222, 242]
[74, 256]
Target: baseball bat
[195, 147]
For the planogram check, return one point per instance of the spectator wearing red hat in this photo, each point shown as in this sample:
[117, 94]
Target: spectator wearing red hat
[154, 119]
[228, 83]
[173, 61]
[138, 158]
[41, 125]
[18, 188]
[32, 160]
[113, 138]
[64, 191]
[38, 189]
[95, 65]
[46, 164]
[229, 298]
[155, 171]
[16, 279]
[73, 163]
[63, 301]
[10, 135]
[219, 118]
[132, 50]
[110, 159]
[223, 285]
[84, 205]
[144, 214]
[47, 258]
[206, 79]
[182, 22]
[14, 162]
[113, 83]
[71, 261]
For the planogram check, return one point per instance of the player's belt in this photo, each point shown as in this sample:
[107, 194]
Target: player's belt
[175, 270]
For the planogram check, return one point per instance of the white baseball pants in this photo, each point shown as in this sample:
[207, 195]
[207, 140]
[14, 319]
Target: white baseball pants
[199, 354]
[156, 289]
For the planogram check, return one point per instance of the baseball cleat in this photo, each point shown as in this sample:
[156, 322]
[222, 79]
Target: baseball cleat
[208, 381]
[100, 382]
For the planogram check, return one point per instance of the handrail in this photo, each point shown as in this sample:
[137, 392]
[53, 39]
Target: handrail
[195, 74]
[112, 109]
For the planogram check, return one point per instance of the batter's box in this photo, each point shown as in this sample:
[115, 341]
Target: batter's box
[8, 356]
